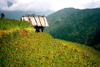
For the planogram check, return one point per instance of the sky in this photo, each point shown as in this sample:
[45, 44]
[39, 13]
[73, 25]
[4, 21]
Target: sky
[44, 5]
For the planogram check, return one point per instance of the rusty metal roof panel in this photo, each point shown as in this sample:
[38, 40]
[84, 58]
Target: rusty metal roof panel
[36, 21]
[25, 18]
[42, 21]
[46, 21]
[33, 22]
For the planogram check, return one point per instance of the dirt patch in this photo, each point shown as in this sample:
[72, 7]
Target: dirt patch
[23, 32]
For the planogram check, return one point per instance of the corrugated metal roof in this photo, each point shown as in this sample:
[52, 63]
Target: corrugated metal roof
[36, 21]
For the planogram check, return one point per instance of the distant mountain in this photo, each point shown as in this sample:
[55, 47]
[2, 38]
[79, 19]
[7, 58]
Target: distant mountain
[18, 14]
[81, 26]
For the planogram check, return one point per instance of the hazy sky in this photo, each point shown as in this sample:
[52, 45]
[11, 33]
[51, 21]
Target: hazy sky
[44, 5]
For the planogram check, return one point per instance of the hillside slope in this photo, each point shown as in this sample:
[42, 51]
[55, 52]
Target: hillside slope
[81, 26]
[11, 25]
[23, 48]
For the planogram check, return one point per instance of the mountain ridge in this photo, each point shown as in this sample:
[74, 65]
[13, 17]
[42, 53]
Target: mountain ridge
[17, 14]
[81, 26]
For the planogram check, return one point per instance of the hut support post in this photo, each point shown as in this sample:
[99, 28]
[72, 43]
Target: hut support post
[38, 28]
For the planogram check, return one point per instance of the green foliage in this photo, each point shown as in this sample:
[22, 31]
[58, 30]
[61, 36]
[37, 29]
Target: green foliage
[25, 48]
[2, 15]
[42, 50]
[81, 26]
[12, 23]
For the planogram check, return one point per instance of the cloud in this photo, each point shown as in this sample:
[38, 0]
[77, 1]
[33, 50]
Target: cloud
[9, 4]
[44, 5]
[3, 3]
[93, 4]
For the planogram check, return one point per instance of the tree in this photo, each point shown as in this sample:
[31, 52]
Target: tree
[2, 15]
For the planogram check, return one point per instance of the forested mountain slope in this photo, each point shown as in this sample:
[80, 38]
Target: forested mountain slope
[81, 26]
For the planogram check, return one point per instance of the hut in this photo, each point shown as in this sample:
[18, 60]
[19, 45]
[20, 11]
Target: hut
[36, 21]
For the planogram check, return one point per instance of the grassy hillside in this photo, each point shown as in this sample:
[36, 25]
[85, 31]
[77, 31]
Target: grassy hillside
[81, 26]
[25, 48]
[10, 25]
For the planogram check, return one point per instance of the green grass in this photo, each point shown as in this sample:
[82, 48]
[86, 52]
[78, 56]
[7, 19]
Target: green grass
[25, 48]
[6, 24]
[10, 25]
